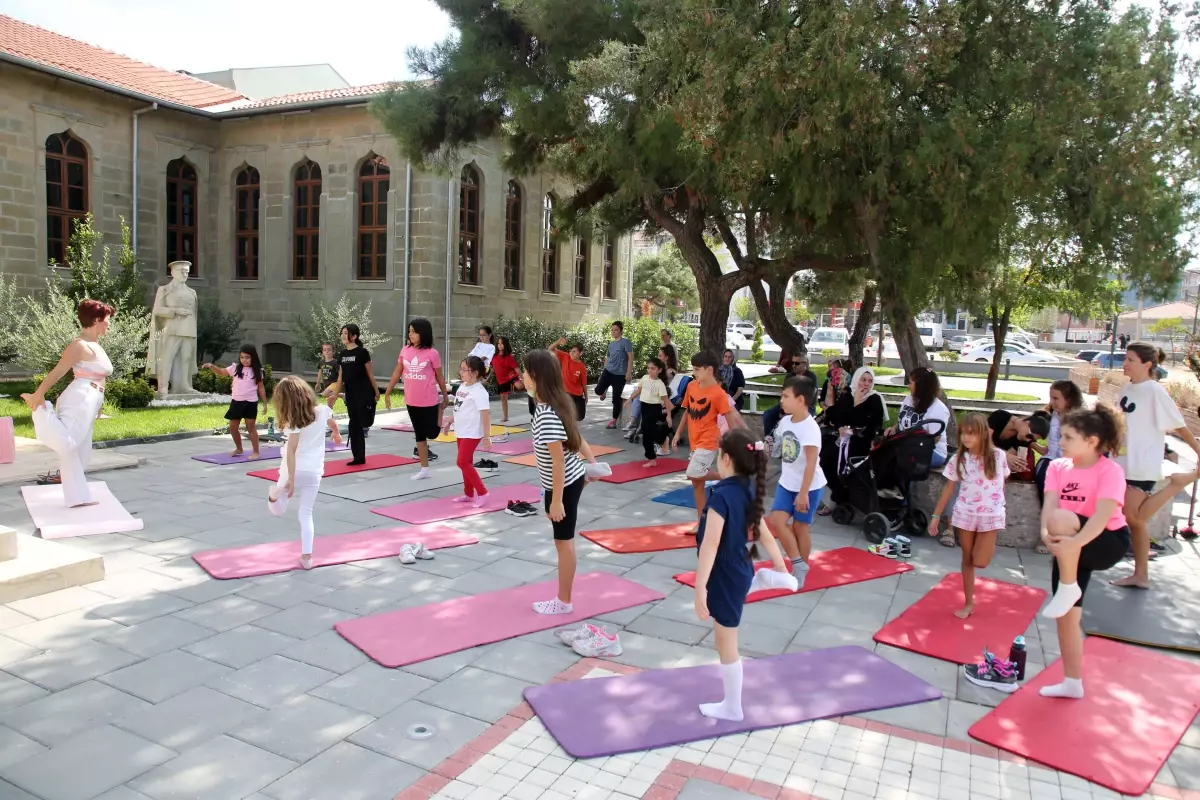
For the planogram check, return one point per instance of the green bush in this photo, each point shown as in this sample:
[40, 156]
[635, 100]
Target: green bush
[217, 331]
[829, 353]
[948, 355]
[129, 392]
[756, 346]
[54, 391]
[207, 381]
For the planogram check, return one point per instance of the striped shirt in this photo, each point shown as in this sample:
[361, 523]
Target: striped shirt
[547, 428]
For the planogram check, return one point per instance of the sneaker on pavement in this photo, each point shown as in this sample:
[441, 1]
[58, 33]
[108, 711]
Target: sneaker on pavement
[1156, 547]
[486, 463]
[422, 552]
[408, 554]
[884, 549]
[569, 636]
[597, 643]
[993, 673]
[903, 546]
[612, 423]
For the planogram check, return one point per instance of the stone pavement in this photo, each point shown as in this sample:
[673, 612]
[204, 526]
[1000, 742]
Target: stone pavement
[160, 682]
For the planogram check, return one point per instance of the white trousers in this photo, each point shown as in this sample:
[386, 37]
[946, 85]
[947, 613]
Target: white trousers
[305, 489]
[67, 430]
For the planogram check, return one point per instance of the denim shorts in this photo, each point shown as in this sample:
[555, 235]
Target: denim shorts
[785, 500]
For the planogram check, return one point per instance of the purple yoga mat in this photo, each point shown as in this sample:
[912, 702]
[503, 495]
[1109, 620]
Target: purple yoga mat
[265, 454]
[604, 716]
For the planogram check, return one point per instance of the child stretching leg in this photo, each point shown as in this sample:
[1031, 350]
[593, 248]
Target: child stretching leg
[247, 391]
[801, 481]
[472, 419]
[704, 401]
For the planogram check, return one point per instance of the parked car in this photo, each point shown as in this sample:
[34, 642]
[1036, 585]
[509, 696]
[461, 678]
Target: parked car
[1014, 353]
[1088, 355]
[1114, 361]
[958, 343]
[830, 339]
[931, 335]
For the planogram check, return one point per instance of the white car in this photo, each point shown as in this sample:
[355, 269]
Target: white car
[961, 343]
[830, 339]
[1016, 354]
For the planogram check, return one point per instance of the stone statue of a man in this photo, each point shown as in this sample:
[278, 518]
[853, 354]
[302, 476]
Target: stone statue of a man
[172, 351]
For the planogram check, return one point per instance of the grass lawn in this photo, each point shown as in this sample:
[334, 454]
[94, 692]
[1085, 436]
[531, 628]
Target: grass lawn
[135, 422]
[1022, 378]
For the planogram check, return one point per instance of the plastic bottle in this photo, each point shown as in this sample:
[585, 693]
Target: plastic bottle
[1017, 654]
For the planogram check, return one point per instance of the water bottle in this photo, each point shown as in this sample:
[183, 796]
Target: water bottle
[270, 426]
[1016, 654]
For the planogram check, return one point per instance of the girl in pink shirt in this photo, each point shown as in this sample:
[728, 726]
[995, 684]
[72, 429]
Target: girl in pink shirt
[248, 390]
[1084, 527]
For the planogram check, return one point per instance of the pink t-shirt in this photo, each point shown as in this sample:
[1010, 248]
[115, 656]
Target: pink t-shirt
[245, 387]
[420, 384]
[1079, 489]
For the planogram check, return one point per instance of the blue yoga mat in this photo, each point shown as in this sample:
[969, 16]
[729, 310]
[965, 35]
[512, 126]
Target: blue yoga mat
[683, 496]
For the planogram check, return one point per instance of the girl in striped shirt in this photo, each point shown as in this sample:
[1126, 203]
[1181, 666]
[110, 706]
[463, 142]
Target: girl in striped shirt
[559, 450]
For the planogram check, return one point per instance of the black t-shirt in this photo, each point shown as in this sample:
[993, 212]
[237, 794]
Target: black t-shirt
[353, 366]
[327, 373]
[997, 422]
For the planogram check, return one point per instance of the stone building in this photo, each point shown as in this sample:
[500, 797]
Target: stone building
[278, 200]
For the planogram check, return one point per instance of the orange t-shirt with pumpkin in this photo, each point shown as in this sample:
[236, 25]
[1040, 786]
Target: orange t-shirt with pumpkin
[574, 374]
[703, 405]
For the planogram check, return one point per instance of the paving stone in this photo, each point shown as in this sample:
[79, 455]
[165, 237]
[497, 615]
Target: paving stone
[165, 675]
[1185, 766]
[58, 669]
[122, 793]
[301, 727]
[942, 674]
[476, 693]
[327, 651]
[336, 576]
[304, 620]
[11, 619]
[156, 636]
[347, 772]
[52, 604]
[240, 647]
[87, 765]
[140, 608]
[57, 717]
[697, 789]
[11, 792]
[15, 692]
[200, 590]
[227, 613]
[14, 747]
[671, 630]
[961, 716]
[220, 769]
[65, 630]
[527, 660]
[284, 591]
[760, 639]
[269, 682]
[818, 636]
[387, 735]
[443, 667]
[865, 613]
[648, 653]
[134, 583]
[360, 599]
[929, 717]
[189, 719]
[373, 689]
[518, 569]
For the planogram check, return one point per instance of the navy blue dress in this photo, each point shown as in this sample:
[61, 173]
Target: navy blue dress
[732, 569]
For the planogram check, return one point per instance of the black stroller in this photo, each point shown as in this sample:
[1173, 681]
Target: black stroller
[894, 464]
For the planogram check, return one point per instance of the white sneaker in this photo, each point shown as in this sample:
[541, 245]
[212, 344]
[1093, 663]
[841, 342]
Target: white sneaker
[408, 554]
[569, 636]
[597, 643]
[422, 552]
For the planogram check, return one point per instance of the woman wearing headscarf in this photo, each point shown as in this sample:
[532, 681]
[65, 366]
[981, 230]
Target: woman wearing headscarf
[732, 378]
[858, 416]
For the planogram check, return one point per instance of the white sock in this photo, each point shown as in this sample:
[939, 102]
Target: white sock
[1071, 688]
[731, 707]
[770, 579]
[1063, 601]
[422, 474]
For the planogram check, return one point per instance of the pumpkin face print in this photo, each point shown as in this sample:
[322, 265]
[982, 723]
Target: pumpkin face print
[698, 407]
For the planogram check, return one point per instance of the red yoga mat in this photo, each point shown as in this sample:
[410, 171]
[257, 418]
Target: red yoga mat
[409, 635]
[636, 471]
[274, 557]
[1003, 611]
[827, 569]
[645, 540]
[1137, 706]
[333, 468]
[439, 509]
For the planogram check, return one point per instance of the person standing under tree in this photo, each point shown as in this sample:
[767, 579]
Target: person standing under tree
[618, 370]
[356, 379]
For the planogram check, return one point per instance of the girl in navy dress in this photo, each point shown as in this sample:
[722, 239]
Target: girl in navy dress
[725, 574]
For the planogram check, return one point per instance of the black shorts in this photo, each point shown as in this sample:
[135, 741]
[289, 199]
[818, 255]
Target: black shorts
[1102, 553]
[506, 387]
[580, 406]
[424, 421]
[564, 531]
[242, 409]
[1143, 486]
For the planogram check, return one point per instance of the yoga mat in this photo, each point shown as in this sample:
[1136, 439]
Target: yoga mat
[515, 447]
[645, 540]
[265, 454]
[683, 497]
[497, 430]
[530, 458]
[1137, 706]
[403, 427]
[438, 509]
[827, 569]
[1165, 616]
[335, 468]
[1003, 611]
[657, 708]
[385, 486]
[274, 557]
[409, 635]
[635, 471]
[55, 521]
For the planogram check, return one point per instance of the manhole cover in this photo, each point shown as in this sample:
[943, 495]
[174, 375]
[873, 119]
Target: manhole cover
[420, 731]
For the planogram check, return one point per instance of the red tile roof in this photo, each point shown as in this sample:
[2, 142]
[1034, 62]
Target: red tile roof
[347, 92]
[55, 50]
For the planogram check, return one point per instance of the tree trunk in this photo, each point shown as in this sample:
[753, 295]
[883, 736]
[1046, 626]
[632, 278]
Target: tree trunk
[904, 329]
[714, 312]
[862, 326]
[999, 334]
[773, 313]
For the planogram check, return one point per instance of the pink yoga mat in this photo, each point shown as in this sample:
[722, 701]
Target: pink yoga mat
[636, 471]
[55, 521]
[403, 427]
[273, 557]
[516, 447]
[339, 467]
[416, 634]
[438, 509]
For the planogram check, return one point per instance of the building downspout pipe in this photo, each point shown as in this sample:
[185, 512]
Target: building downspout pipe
[133, 223]
[449, 261]
[407, 240]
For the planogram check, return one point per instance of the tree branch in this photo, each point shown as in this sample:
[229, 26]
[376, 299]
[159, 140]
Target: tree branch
[751, 232]
[590, 195]
[731, 242]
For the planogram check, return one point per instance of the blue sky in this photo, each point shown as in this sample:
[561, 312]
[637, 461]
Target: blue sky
[366, 45]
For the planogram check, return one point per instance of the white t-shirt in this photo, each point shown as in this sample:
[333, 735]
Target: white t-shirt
[469, 404]
[651, 391]
[909, 417]
[1149, 414]
[793, 437]
[310, 451]
[484, 351]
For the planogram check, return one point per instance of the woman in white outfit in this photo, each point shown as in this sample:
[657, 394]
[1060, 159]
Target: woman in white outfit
[66, 428]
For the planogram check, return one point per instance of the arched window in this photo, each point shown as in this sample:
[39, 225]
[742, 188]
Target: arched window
[374, 180]
[306, 222]
[583, 258]
[181, 213]
[512, 237]
[549, 248]
[245, 224]
[610, 274]
[468, 227]
[66, 191]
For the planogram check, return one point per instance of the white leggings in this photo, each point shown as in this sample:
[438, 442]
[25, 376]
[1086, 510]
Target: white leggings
[305, 489]
[67, 430]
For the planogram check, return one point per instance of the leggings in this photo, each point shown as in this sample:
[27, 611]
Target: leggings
[67, 430]
[617, 384]
[654, 430]
[472, 483]
[305, 488]
[358, 407]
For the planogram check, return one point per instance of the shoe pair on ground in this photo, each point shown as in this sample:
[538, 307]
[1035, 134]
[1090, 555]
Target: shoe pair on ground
[519, 508]
[486, 463]
[591, 641]
[893, 547]
[993, 673]
[409, 553]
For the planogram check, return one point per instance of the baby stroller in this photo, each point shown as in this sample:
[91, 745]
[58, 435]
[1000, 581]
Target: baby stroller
[880, 484]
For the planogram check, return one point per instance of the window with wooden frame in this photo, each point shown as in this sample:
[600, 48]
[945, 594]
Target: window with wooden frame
[610, 272]
[583, 258]
[468, 227]
[306, 222]
[66, 191]
[374, 181]
[512, 237]
[246, 193]
[549, 248]
[181, 213]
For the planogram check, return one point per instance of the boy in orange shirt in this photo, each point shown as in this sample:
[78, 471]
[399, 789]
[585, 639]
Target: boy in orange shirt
[574, 373]
[703, 402]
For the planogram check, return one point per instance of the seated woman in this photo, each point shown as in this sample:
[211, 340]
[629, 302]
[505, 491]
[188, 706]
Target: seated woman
[836, 385]
[922, 406]
[1010, 433]
[858, 417]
